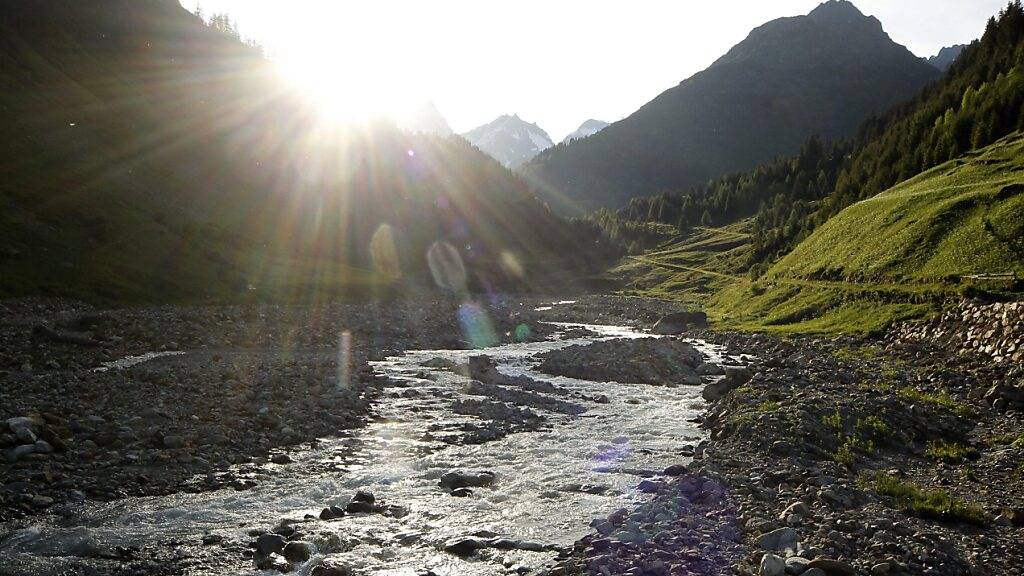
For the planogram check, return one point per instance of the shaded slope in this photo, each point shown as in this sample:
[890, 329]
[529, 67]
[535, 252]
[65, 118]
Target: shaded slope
[820, 74]
[149, 157]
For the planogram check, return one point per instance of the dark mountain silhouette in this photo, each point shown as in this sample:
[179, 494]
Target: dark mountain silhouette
[978, 103]
[820, 74]
[945, 58]
[148, 156]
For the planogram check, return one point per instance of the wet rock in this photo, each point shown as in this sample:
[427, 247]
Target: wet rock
[464, 547]
[706, 369]
[364, 496]
[331, 569]
[359, 507]
[211, 539]
[268, 544]
[675, 470]
[460, 479]
[297, 552]
[280, 459]
[679, 322]
[462, 492]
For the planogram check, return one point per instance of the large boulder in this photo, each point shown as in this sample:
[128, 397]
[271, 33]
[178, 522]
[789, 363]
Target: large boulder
[679, 322]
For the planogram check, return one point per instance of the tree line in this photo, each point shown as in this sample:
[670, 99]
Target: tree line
[978, 101]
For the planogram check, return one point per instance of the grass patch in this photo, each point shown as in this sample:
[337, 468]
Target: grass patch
[853, 354]
[862, 440]
[950, 452]
[924, 502]
[941, 399]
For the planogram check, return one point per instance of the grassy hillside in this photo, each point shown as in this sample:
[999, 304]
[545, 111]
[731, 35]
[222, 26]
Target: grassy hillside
[964, 217]
[903, 254]
[899, 255]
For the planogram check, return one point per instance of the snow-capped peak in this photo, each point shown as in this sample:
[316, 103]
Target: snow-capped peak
[510, 140]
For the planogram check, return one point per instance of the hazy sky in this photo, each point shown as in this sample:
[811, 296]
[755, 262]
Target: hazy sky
[554, 62]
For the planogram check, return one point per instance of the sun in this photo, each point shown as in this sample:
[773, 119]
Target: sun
[342, 93]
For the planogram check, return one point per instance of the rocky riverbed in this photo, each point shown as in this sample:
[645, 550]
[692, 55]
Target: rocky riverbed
[560, 451]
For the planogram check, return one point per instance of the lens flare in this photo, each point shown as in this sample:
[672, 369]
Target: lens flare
[476, 325]
[384, 254]
[511, 265]
[344, 360]
[446, 267]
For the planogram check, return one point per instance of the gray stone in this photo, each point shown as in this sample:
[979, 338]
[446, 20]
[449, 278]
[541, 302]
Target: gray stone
[796, 565]
[881, 569]
[18, 452]
[25, 435]
[780, 539]
[173, 442]
[832, 567]
[772, 565]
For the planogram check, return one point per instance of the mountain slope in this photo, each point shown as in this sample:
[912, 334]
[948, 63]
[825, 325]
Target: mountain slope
[791, 78]
[898, 255]
[945, 58]
[148, 157]
[961, 218]
[977, 102]
[510, 140]
[588, 128]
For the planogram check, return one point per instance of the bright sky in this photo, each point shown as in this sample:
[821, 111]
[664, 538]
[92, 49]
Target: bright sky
[554, 62]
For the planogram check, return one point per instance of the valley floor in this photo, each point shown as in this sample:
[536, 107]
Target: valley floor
[825, 455]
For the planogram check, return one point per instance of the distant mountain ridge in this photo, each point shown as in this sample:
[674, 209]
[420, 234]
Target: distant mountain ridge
[588, 128]
[510, 140]
[945, 58]
[426, 120]
[820, 74]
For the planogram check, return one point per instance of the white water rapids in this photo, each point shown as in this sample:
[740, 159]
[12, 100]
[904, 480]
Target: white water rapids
[536, 496]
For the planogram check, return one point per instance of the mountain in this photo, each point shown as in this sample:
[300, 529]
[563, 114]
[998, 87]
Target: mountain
[945, 58]
[510, 140]
[426, 120]
[138, 166]
[588, 128]
[819, 74]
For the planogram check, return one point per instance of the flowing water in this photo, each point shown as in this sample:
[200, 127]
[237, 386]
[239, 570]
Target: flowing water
[549, 483]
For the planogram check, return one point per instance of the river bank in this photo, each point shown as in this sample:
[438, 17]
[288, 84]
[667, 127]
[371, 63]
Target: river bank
[847, 456]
